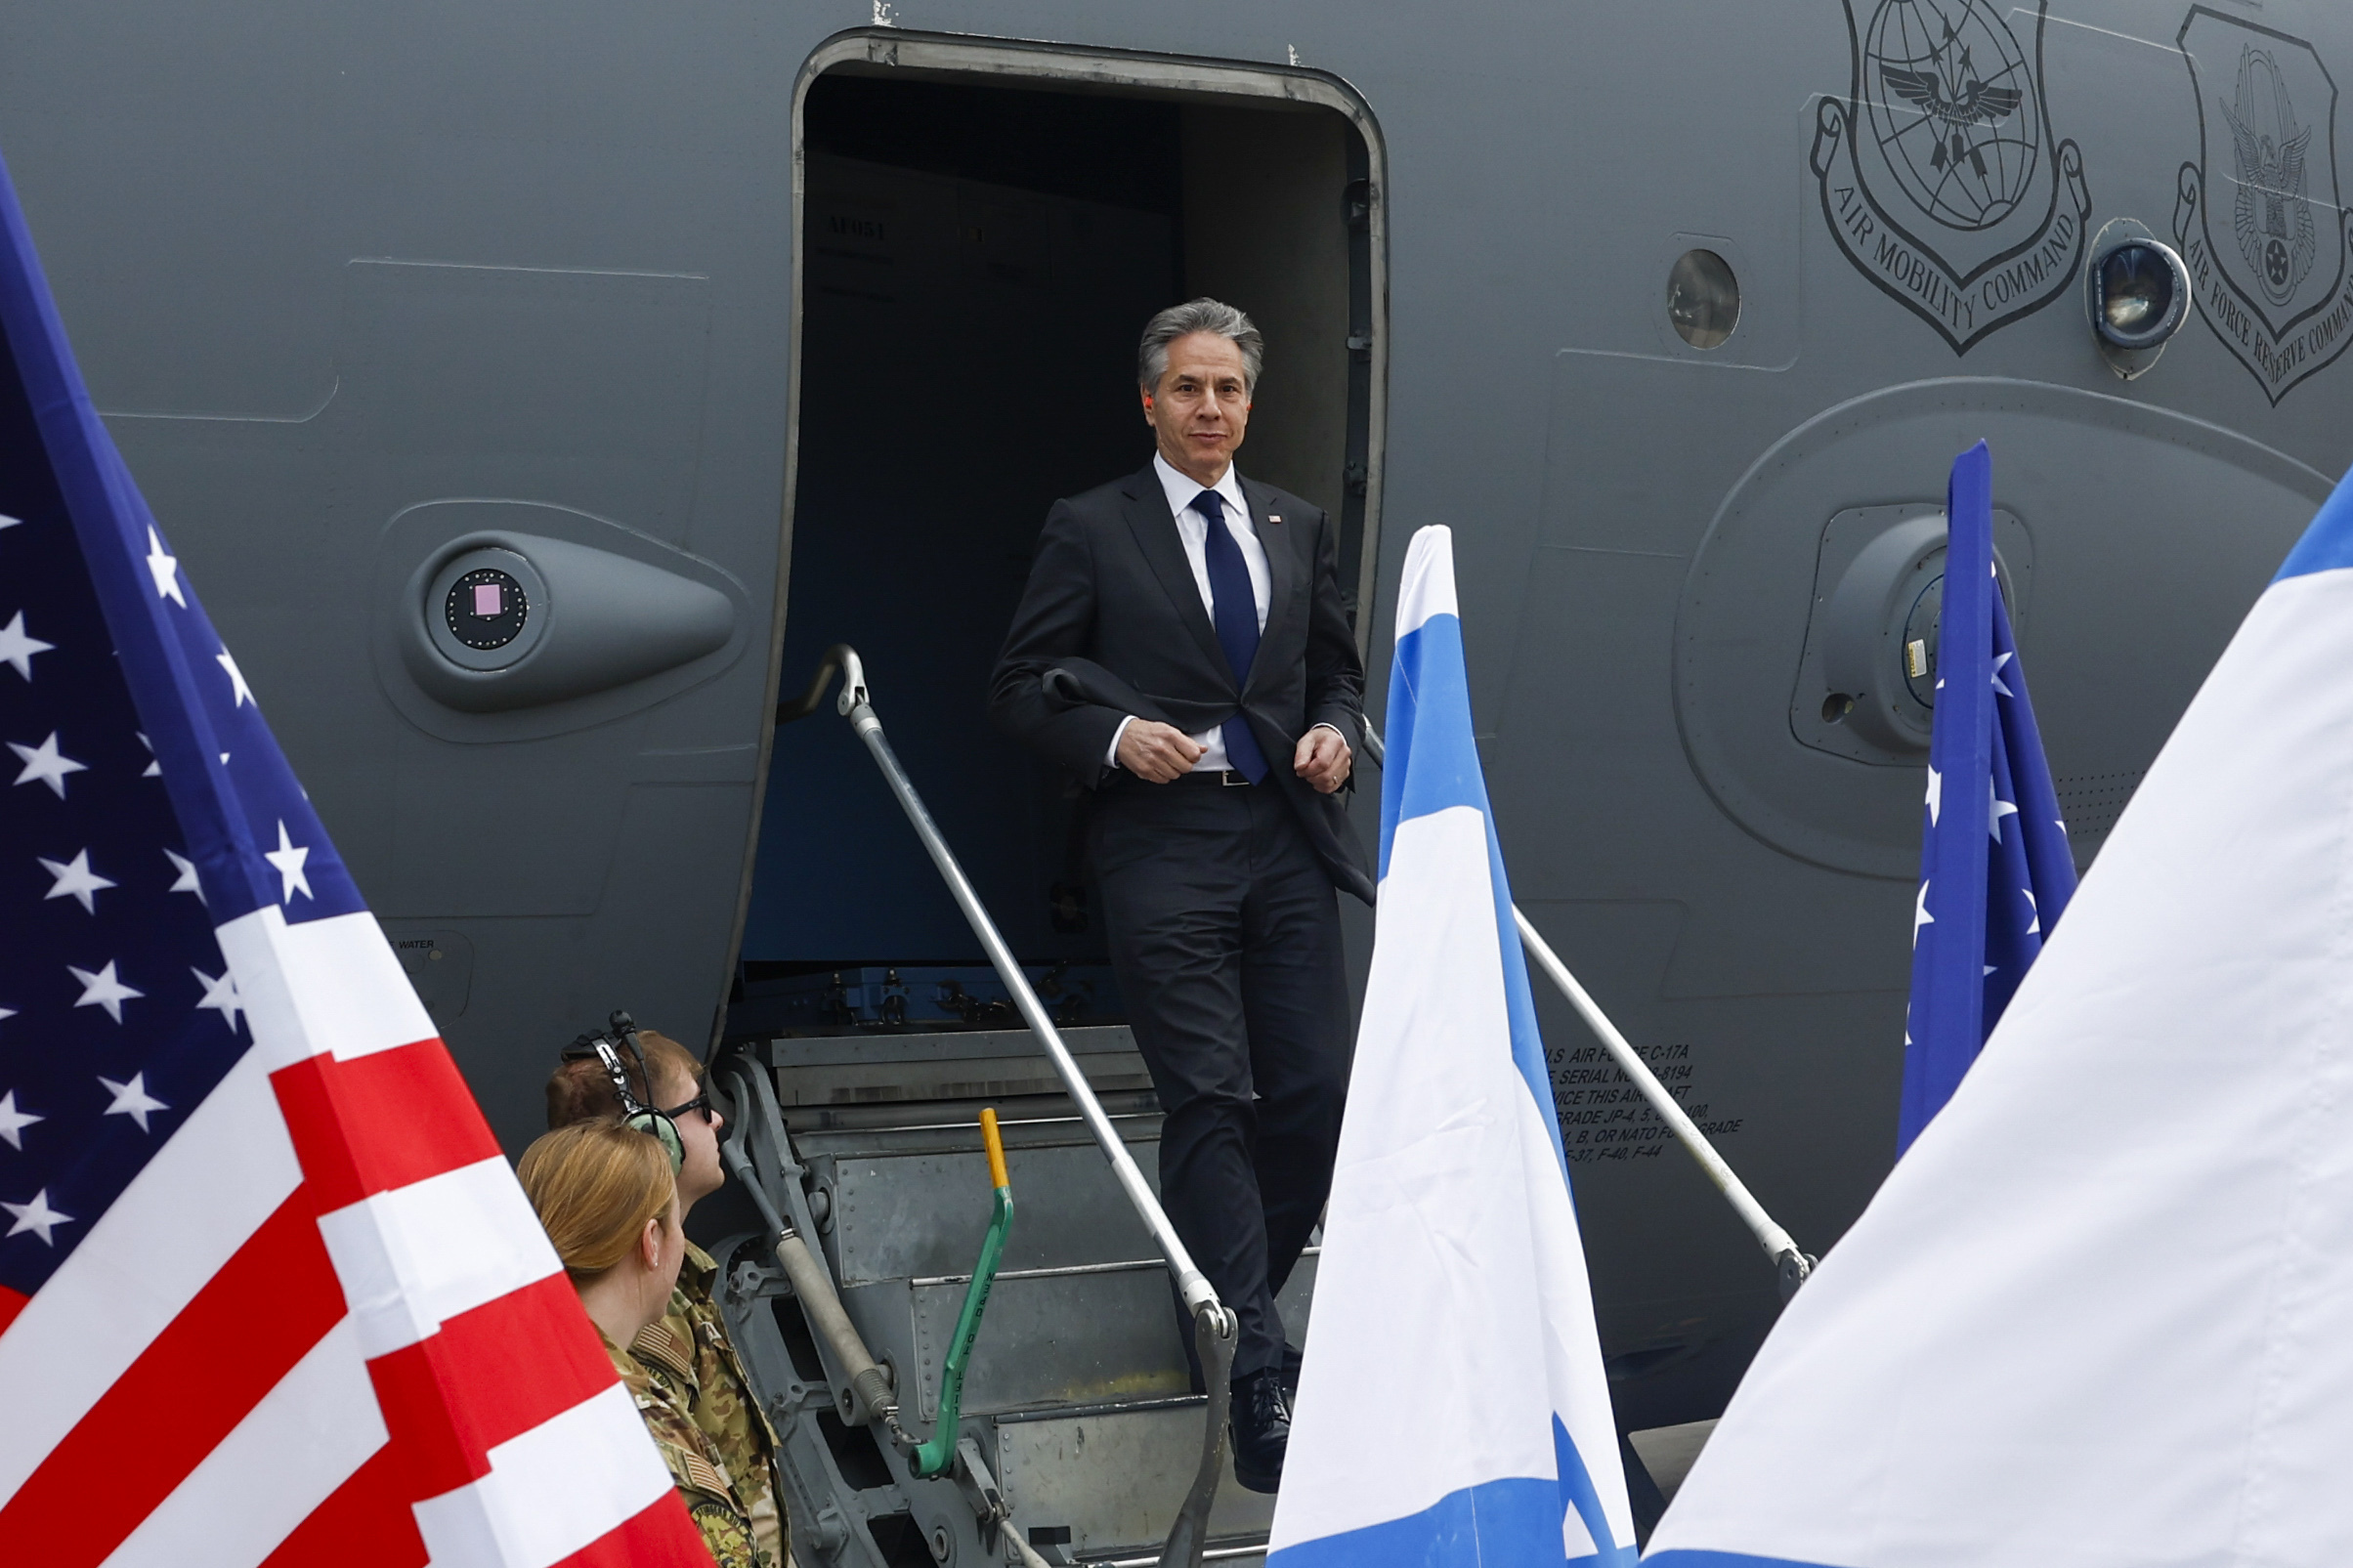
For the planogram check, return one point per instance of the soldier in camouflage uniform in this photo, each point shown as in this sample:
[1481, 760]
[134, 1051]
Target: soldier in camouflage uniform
[608, 1197]
[687, 1355]
[712, 1500]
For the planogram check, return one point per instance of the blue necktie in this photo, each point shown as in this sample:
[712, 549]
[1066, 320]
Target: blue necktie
[1235, 611]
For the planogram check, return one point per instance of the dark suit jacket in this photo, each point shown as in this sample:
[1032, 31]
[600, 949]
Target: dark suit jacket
[1112, 605]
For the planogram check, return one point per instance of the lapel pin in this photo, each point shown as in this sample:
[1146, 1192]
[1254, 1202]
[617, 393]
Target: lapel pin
[1274, 516]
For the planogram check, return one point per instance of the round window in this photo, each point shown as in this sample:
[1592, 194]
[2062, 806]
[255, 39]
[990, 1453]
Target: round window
[1703, 298]
[485, 609]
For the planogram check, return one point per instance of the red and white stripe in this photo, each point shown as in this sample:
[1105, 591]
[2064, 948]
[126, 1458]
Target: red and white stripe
[324, 1324]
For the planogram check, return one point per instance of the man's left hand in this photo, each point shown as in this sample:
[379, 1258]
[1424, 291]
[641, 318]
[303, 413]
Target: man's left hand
[1322, 759]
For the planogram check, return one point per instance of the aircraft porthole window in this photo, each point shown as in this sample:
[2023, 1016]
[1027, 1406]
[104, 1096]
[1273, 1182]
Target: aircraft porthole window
[1703, 298]
[2137, 294]
[485, 609]
[2142, 293]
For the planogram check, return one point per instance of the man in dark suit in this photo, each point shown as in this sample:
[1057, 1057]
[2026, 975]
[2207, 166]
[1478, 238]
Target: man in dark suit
[1183, 648]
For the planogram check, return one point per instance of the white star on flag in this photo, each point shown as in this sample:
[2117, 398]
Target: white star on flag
[7, 521]
[165, 568]
[154, 769]
[14, 1122]
[74, 880]
[102, 989]
[2034, 927]
[43, 762]
[17, 646]
[133, 1100]
[1999, 662]
[36, 1216]
[2000, 808]
[188, 876]
[1920, 914]
[288, 857]
[1935, 795]
[220, 994]
[236, 678]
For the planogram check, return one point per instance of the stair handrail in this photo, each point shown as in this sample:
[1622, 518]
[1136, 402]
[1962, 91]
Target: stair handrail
[1214, 1326]
[1791, 1264]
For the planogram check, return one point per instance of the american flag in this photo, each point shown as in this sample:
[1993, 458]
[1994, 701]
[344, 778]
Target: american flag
[1991, 887]
[268, 1294]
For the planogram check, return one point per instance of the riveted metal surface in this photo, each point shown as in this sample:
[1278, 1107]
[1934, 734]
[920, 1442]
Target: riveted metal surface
[1114, 1480]
[909, 1216]
[1061, 1339]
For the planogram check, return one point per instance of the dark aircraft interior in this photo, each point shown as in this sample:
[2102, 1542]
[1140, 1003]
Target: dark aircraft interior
[978, 263]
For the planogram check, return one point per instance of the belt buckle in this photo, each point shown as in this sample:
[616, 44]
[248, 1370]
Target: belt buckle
[1235, 778]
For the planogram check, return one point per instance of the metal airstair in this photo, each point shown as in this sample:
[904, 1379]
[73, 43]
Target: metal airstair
[1078, 1438]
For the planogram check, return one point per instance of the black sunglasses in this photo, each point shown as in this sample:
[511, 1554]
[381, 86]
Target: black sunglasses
[700, 1102]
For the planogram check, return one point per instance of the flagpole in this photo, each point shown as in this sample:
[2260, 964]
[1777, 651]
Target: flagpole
[1791, 1264]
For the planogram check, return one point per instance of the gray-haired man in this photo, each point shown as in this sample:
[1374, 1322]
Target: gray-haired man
[1183, 648]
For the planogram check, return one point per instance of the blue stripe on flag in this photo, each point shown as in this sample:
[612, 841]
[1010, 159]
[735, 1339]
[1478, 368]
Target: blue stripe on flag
[1433, 762]
[1494, 1521]
[1431, 765]
[2327, 541]
[1520, 1003]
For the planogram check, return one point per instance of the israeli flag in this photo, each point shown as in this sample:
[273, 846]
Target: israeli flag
[2097, 1317]
[1452, 1407]
[1991, 887]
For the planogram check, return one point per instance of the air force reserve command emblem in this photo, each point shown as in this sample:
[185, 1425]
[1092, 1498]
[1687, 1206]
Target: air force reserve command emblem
[2256, 217]
[1940, 177]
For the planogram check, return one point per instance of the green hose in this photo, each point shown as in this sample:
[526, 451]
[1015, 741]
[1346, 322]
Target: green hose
[934, 1457]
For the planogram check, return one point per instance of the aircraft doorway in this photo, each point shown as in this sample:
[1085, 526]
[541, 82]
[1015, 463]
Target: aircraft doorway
[979, 255]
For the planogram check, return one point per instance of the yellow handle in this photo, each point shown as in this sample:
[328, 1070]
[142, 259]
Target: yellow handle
[987, 1135]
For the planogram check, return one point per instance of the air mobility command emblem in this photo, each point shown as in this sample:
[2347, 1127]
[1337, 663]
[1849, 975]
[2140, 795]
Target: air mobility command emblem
[1940, 177]
[2256, 218]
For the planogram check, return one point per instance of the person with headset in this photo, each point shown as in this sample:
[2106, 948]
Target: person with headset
[654, 1083]
[608, 1197]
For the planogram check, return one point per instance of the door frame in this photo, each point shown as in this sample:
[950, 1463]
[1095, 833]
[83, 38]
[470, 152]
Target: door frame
[1128, 73]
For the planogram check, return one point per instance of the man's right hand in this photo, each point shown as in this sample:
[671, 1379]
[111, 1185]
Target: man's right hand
[1158, 752]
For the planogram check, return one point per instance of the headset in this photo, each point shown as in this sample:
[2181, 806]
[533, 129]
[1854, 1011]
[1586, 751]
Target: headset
[637, 1114]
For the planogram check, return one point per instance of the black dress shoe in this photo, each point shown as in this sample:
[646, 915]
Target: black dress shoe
[1262, 1427]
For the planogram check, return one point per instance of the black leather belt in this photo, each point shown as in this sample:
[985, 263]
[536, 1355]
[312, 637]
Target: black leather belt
[1222, 779]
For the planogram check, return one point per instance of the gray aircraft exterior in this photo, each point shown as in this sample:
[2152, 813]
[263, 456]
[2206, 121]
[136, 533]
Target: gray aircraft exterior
[533, 392]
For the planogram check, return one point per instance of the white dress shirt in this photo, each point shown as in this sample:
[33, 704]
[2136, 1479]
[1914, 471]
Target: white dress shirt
[1193, 529]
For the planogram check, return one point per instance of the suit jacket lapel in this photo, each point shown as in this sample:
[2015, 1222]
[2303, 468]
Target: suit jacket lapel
[1282, 570]
[1155, 529]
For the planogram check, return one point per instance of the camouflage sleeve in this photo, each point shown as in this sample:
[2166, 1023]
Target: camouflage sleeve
[702, 1482]
[726, 1532]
